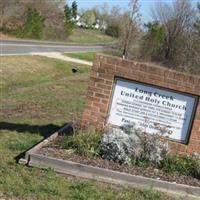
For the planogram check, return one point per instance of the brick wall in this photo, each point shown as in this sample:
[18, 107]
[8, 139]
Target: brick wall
[105, 68]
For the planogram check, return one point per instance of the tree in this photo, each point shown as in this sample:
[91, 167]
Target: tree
[34, 24]
[3, 6]
[14, 13]
[172, 39]
[131, 28]
[113, 30]
[113, 21]
[68, 13]
[102, 13]
[114, 16]
[74, 9]
[197, 23]
[152, 43]
[53, 11]
[12, 16]
[69, 23]
[176, 19]
[89, 18]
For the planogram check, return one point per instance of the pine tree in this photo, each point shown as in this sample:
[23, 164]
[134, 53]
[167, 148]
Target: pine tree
[74, 9]
[68, 13]
[34, 24]
[69, 23]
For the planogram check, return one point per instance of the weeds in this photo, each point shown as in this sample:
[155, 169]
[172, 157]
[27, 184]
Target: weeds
[84, 143]
[182, 165]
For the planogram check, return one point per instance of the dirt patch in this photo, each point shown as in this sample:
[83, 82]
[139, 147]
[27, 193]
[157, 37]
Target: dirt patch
[55, 150]
[6, 37]
[3, 197]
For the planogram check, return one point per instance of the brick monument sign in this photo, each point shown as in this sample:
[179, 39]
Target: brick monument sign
[154, 98]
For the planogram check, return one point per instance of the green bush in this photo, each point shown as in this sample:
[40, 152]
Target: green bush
[183, 165]
[113, 30]
[152, 44]
[69, 27]
[83, 143]
[34, 25]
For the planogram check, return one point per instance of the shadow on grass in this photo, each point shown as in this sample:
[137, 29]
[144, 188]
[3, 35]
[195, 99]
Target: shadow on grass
[43, 130]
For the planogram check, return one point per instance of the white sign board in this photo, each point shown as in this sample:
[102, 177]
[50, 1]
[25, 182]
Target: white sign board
[152, 109]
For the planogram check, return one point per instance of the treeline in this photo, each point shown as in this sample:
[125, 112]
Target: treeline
[122, 24]
[171, 39]
[37, 18]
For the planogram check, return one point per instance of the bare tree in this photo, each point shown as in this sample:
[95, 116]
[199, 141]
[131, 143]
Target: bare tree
[131, 27]
[5, 12]
[197, 23]
[176, 20]
[172, 38]
[102, 13]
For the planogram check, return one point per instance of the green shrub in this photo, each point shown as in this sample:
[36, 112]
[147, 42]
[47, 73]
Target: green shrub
[113, 30]
[182, 165]
[152, 44]
[69, 27]
[83, 143]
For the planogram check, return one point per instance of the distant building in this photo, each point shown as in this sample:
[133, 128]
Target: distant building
[98, 25]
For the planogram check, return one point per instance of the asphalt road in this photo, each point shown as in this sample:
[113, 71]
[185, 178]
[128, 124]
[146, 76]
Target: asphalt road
[8, 47]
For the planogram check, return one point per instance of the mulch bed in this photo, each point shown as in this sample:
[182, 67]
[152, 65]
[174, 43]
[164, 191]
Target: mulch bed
[54, 149]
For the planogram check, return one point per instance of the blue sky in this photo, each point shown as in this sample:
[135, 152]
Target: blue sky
[145, 5]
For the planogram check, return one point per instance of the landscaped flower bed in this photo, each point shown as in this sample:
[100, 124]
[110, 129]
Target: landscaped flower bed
[84, 148]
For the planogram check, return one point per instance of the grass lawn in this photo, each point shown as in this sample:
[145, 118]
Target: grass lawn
[38, 95]
[79, 36]
[89, 36]
[88, 56]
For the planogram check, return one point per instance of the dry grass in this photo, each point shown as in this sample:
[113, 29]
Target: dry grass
[6, 37]
[36, 87]
[90, 37]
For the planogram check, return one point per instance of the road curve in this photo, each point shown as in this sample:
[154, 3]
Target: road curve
[9, 47]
